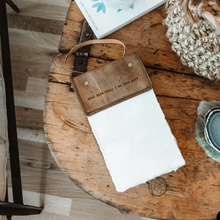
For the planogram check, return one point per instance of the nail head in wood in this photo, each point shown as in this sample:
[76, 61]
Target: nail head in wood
[157, 186]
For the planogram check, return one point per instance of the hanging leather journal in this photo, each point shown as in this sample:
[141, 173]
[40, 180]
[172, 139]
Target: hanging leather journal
[127, 121]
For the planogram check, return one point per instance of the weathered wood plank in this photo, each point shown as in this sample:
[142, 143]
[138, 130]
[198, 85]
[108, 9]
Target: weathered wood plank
[185, 188]
[35, 24]
[33, 39]
[35, 64]
[31, 55]
[29, 118]
[40, 9]
[32, 59]
[165, 83]
[90, 209]
[31, 135]
[64, 3]
[81, 148]
[179, 92]
[146, 36]
[36, 86]
[29, 100]
[19, 81]
[41, 174]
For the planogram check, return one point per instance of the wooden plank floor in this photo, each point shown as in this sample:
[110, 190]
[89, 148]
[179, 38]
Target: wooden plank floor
[34, 37]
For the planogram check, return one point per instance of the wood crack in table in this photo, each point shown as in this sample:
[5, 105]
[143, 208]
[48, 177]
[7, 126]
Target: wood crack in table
[193, 191]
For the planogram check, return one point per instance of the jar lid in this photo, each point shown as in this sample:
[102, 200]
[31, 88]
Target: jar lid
[212, 128]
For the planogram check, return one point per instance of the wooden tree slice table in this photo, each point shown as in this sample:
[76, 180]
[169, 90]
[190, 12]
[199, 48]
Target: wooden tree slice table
[193, 191]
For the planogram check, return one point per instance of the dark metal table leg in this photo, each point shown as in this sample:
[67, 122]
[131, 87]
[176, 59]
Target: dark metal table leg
[218, 216]
[6, 200]
[9, 209]
[12, 132]
[12, 5]
[16, 208]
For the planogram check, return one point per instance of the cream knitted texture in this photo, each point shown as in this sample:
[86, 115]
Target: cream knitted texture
[197, 44]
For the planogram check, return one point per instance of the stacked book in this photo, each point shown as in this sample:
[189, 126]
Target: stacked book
[104, 20]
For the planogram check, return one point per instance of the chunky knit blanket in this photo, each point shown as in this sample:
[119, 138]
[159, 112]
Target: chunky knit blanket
[197, 44]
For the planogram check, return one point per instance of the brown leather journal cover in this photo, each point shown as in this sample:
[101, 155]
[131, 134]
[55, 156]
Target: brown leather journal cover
[111, 84]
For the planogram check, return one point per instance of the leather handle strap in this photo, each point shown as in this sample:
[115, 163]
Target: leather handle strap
[89, 42]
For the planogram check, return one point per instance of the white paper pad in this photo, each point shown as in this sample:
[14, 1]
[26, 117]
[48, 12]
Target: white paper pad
[136, 141]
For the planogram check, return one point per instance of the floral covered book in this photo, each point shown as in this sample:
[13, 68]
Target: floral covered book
[104, 20]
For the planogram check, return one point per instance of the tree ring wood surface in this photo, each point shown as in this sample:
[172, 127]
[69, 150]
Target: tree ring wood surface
[192, 192]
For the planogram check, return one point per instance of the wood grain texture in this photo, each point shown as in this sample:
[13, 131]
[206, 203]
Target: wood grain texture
[146, 35]
[192, 191]
[41, 9]
[52, 204]
[35, 24]
[34, 38]
[29, 118]
[41, 174]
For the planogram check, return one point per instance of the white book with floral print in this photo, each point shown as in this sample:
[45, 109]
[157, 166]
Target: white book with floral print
[104, 20]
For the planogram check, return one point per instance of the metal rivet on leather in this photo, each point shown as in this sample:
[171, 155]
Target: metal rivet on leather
[130, 65]
[86, 83]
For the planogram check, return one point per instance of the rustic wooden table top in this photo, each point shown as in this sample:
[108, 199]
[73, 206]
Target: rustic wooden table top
[193, 192]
